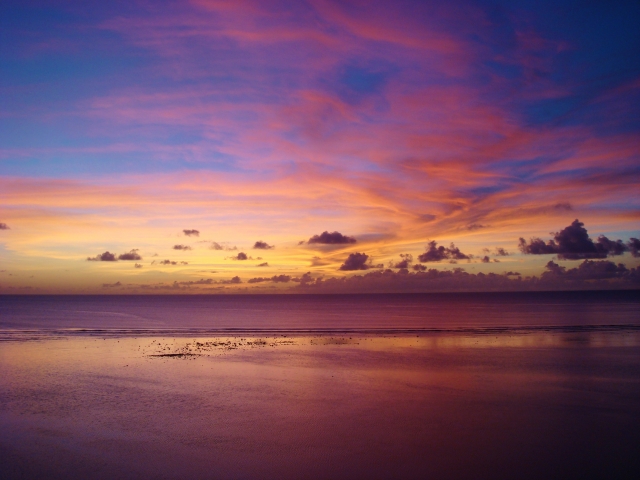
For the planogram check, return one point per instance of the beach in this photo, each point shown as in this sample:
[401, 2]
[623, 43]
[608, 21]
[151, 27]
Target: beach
[528, 404]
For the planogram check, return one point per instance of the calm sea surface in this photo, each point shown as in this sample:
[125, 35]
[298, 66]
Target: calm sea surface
[460, 386]
[25, 316]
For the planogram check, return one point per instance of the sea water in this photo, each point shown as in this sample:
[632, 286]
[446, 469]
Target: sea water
[354, 386]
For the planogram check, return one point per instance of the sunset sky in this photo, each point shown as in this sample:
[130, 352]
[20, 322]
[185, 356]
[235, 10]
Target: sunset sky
[240, 146]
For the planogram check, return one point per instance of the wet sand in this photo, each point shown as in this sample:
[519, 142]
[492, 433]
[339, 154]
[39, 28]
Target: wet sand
[530, 405]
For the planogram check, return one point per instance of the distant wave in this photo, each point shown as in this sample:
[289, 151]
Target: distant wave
[9, 335]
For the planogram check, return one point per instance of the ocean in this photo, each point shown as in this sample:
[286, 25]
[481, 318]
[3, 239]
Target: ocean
[452, 385]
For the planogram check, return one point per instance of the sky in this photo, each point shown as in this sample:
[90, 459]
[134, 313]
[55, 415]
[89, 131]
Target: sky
[318, 146]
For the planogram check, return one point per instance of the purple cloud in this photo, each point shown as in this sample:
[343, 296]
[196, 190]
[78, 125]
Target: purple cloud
[573, 243]
[333, 238]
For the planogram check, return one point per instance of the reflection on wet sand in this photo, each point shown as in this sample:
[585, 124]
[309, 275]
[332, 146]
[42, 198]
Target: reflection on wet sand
[528, 405]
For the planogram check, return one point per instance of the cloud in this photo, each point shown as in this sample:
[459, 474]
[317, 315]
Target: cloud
[476, 226]
[333, 238]
[486, 259]
[138, 265]
[234, 281]
[130, 255]
[274, 279]
[209, 281]
[4, 226]
[406, 259]
[590, 270]
[634, 247]
[502, 252]
[111, 257]
[318, 262]
[217, 246]
[260, 245]
[103, 257]
[589, 275]
[563, 206]
[437, 254]
[111, 285]
[202, 281]
[171, 262]
[241, 256]
[264, 264]
[357, 261]
[189, 233]
[304, 279]
[573, 243]
[181, 247]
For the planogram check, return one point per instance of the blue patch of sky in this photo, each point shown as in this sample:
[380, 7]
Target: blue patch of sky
[488, 190]
[354, 81]
[81, 165]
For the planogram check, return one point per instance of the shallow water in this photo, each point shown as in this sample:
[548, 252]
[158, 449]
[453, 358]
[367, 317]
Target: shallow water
[464, 398]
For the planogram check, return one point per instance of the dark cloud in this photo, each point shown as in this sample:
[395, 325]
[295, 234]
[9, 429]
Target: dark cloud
[260, 245]
[406, 259]
[111, 285]
[241, 256]
[357, 261]
[171, 262]
[563, 206]
[437, 254]
[218, 246]
[502, 252]
[333, 238]
[265, 264]
[476, 226]
[274, 279]
[138, 265]
[486, 259]
[4, 226]
[208, 281]
[573, 243]
[304, 279]
[280, 278]
[419, 268]
[189, 233]
[103, 257]
[111, 257]
[181, 247]
[590, 270]
[234, 281]
[634, 247]
[130, 255]
[601, 275]
[202, 281]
